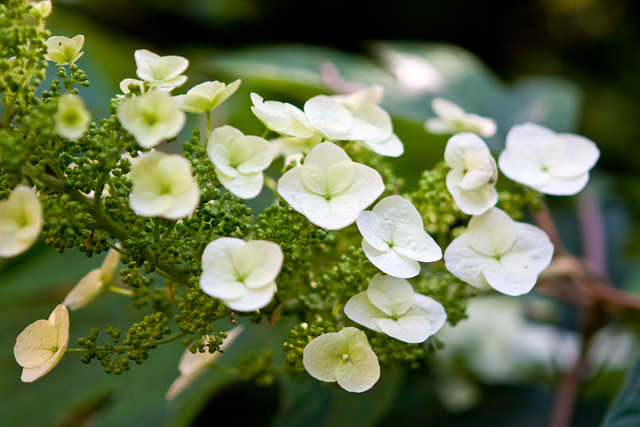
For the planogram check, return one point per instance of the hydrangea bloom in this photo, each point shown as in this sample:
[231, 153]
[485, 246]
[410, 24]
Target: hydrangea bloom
[150, 118]
[163, 186]
[20, 221]
[345, 357]
[72, 118]
[498, 252]
[473, 175]
[394, 239]
[548, 162]
[453, 119]
[63, 50]
[42, 344]
[281, 117]
[205, 96]
[94, 283]
[161, 71]
[353, 117]
[192, 365]
[329, 189]
[242, 274]
[239, 160]
[389, 305]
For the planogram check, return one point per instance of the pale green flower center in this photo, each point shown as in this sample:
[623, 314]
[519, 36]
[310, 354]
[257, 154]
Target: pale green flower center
[345, 357]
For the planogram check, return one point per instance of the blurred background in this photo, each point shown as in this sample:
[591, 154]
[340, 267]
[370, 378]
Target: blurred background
[571, 65]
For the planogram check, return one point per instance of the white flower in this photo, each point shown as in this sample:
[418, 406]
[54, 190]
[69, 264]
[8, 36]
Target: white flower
[192, 365]
[63, 50]
[42, 344]
[161, 71]
[20, 221]
[241, 274]
[498, 252]
[362, 105]
[94, 283]
[329, 189]
[125, 83]
[41, 9]
[205, 96]
[239, 160]
[72, 118]
[163, 186]
[548, 162]
[151, 118]
[345, 357]
[394, 239]
[453, 119]
[473, 175]
[280, 117]
[390, 306]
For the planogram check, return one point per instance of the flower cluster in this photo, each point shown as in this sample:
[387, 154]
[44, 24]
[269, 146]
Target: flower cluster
[340, 246]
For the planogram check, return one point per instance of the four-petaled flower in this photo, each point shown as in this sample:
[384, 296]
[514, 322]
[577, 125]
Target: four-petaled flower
[42, 344]
[329, 189]
[63, 50]
[389, 305]
[281, 117]
[345, 357]
[161, 71]
[72, 117]
[239, 160]
[394, 239]
[150, 118]
[20, 221]
[94, 283]
[163, 186]
[551, 163]
[473, 175]
[205, 96]
[498, 252]
[241, 274]
[453, 119]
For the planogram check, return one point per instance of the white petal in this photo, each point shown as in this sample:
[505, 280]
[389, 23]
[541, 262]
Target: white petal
[329, 116]
[563, 186]
[221, 158]
[33, 345]
[362, 311]
[471, 202]
[464, 262]
[572, 156]
[511, 276]
[219, 278]
[523, 159]
[458, 145]
[323, 354]
[391, 262]
[245, 186]
[446, 109]
[354, 336]
[437, 126]
[259, 262]
[360, 372]
[390, 146]
[282, 118]
[256, 154]
[85, 291]
[415, 243]
[429, 308]
[333, 180]
[367, 185]
[374, 229]
[390, 294]
[326, 155]
[491, 233]
[410, 328]
[314, 207]
[253, 299]
[370, 122]
[397, 210]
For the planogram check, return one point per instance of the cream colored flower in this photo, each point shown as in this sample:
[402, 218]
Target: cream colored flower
[163, 186]
[63, 50]
[453, 119]
[161, 71]
[94, 283]
[240, 160]
[41, 9]
[20, 221]
[42, 344]
[151, 117]
[205, 96]
[72, 118]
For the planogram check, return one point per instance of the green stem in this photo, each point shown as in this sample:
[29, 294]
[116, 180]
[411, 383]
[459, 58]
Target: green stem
[110, 226]
[119, 290]
[206, 136]
[266, 133]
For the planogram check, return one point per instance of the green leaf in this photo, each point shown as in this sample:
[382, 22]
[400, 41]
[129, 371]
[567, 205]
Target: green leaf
[625, 410]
